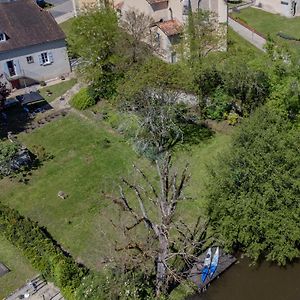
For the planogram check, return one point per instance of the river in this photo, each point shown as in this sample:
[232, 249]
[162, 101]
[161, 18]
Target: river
[264, 282]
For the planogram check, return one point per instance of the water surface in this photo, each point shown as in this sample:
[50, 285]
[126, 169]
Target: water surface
[264, 282]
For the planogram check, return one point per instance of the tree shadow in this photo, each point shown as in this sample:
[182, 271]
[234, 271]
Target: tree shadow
[16, 119]
[194, 132]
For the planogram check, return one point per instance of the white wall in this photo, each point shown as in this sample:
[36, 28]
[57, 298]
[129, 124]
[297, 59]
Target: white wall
[35, 71]
[278, 6]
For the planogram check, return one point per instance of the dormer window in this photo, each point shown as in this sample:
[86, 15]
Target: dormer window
[2, 37]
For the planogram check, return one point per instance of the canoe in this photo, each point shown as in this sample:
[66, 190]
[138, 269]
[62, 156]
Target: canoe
[214, 263]
[206, 265]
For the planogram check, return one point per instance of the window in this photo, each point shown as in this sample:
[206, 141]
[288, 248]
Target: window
[45, 58]
[29, 59]
[2, 37]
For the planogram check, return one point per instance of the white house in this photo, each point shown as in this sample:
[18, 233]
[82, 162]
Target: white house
[169, 17]
[32, 45]
[288, 8]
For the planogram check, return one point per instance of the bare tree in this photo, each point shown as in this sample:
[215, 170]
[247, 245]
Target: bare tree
[159, 114]
[137, 26]
[174, 247]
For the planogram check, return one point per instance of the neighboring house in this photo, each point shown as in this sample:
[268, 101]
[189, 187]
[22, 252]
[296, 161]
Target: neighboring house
[170, 15]
[32, 45]
[288, 8]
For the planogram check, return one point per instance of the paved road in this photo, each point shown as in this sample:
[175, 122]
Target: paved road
[61, 7]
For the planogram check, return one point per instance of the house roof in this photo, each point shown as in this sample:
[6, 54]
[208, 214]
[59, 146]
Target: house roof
[171, 27]
[156, 1]
[26, 24]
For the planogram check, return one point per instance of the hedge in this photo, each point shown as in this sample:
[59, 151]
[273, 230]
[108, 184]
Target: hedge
[83, 99]
[42, 251]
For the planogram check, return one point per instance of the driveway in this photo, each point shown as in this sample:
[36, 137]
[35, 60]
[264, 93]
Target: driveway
[61, 8]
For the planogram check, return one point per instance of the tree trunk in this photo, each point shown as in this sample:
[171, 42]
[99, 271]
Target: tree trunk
[161, 267]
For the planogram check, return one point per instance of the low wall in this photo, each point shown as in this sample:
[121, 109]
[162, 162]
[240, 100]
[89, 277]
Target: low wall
[248, 33]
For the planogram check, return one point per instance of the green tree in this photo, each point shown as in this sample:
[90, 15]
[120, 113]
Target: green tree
[254, 202]
[94, 37]
[201, 35]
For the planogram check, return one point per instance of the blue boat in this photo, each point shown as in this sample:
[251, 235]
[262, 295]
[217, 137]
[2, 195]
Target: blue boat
[206, 265]
[214, 263]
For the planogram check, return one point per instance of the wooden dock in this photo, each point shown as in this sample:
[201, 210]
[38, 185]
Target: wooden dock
[225, 261]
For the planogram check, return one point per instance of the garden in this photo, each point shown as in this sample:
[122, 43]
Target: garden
[113, 201]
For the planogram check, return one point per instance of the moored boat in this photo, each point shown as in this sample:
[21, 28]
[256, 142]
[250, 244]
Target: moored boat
[214, 263]
[206, 265]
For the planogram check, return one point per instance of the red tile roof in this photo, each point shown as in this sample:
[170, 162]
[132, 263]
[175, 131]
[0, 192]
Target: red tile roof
[171, 27]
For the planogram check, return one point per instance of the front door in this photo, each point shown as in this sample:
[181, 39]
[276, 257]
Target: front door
[15, 84]
[11, 68]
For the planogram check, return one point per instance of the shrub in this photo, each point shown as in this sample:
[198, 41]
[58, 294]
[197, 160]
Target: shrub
[41, 250]
[219, 105]
[7, 151]
[83, 99]
[232, 118]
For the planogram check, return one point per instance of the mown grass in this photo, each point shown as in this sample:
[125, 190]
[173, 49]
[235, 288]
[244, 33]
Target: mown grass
[268, 23]
[89, 159]
[238, 45]
[66, 26]
[57, 90]
[272, 24]
[20, 269]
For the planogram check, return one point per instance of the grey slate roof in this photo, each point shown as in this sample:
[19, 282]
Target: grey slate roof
[26, 24]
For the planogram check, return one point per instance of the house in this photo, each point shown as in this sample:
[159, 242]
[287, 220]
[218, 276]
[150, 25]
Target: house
[287, 8]
[169, 17]
[32, 45]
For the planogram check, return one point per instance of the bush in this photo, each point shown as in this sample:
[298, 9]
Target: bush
[232, 118]
[7, 151]
[83, 99]
[41, 250]
[219, 105]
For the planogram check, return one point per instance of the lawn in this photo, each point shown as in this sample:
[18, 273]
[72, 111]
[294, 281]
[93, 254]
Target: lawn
[66, 26]
[268, 23]
[89, 159]
[57, 90]
[272, 24]
[238, 45]
[20, 270]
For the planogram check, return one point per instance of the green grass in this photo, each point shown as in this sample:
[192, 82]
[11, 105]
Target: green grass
[66, 26]
[84, 166]
[271, 24]
[268, 23]
[20, 272]
[57, 90]
[238, 45]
